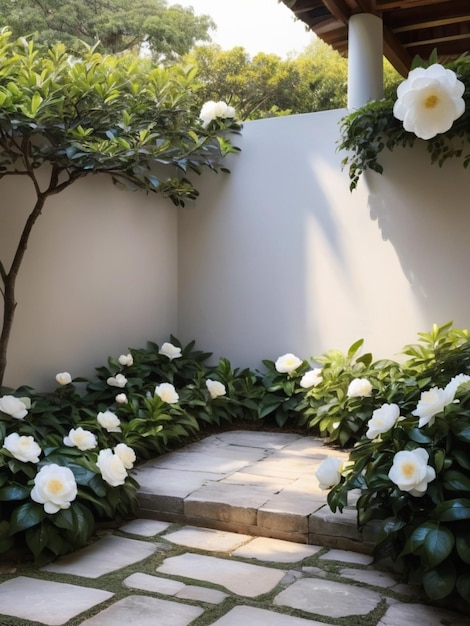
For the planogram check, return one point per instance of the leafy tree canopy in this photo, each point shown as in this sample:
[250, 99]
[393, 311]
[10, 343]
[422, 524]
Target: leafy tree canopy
[117, 24]
[72, 116]
[268, 86]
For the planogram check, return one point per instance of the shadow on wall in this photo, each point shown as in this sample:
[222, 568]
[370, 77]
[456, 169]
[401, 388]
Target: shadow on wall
[422, 210]
[256, 251]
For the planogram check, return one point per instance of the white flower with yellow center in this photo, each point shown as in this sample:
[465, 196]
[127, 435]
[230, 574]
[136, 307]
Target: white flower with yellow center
[81, 439]
[329, 472]
[126, 454]
[359, 388]
[431, 403]
[170, 351]
[382, 420]
[23, 448]
[111, 467]
[167, 393]
[410, 471]
[109, 421]
[16, 407]
[126, 359]
[215, 388]
[54, 487]
[311, 378]
[429, 101]
[287, 363]
[211, 110]
[117, 381]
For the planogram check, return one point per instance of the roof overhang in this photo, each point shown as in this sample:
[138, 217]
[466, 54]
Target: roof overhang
[410, 27]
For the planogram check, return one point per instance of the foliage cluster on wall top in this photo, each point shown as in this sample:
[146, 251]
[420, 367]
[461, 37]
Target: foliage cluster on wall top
[427, 102]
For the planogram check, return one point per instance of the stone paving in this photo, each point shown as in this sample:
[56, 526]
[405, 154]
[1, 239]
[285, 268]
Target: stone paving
[159, 573]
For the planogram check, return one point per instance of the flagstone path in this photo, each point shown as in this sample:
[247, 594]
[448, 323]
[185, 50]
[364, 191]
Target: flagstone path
[153, 572]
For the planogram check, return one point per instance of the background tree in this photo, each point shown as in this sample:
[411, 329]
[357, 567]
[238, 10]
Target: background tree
[118, 24]
[262, 86]
[62, 119]
[268, 86]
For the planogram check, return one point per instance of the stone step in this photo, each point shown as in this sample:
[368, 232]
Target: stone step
[254, 483]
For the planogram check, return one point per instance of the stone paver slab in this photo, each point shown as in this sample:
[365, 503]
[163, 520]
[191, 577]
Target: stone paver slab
[276, 550]
[243, 579]
[328, 598]
[201, 594]
[255, 439]
[347, 556]
[421, 615]
[242, 453]
[144, 527]
[156, 584]
[310, 447]
[105, 555]
[273, 484]
[207, 539]
[370, 577]
[48, 602]
[194, 461]
[289, 466]
[235, 495]
[145, 611]
[171, 482]
[261, 617]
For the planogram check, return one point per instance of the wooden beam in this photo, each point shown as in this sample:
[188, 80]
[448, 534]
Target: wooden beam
[398, 56]
[458, 19]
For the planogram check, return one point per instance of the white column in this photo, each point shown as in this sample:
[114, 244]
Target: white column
[365, 59]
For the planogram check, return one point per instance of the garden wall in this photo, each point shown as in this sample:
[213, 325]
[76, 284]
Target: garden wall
[100, 275]
[281, 257]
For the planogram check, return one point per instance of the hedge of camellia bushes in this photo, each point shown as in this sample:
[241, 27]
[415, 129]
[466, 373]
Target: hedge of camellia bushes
[66, 456]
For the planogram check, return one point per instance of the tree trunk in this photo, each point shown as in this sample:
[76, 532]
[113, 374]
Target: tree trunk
[9, 305]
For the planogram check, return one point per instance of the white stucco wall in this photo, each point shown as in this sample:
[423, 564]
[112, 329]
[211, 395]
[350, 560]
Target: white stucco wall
[99, 276]
[280, 257]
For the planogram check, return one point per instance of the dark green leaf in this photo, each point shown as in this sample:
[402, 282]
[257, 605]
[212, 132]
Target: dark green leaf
[440, 581]
[456, 481]
[452, 510]
[26, 516]
[438, 544]
[14, 492]
[463, 548]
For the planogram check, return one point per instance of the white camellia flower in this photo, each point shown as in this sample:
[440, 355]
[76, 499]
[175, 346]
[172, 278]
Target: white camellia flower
[211, 110]
[126, 359]
[359, 388]
[81, 439]
[13, 406]
[429, 101]
[287, 363]
[329, 472]
[311, 378]
[54, 487]
[167, 393]
[410, 471]
[126, 454]
[382, 420]
[117, 381]
[121, 398]
[431, 403]
[215, 388]
[23, 448]
[109, 421]
[111, 467]
[170, 351]
[455, 383]
[63, 378]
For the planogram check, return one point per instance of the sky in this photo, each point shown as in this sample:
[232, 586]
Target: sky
[257, 25]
